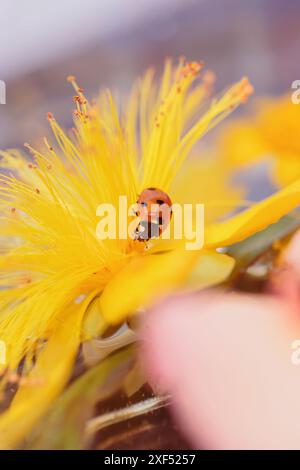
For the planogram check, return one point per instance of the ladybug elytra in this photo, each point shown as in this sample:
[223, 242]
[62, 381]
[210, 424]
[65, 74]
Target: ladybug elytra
[154, 208]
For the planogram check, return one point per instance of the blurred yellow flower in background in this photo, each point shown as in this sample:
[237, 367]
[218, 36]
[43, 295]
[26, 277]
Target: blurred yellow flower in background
[270, 132]
[53, 268]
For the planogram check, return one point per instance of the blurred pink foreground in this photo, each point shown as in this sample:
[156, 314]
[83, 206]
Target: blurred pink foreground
[227, 360]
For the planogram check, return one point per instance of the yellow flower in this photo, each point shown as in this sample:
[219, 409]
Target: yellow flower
[270, 132]
[60, 284]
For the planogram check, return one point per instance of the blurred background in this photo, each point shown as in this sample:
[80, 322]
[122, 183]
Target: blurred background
[110, 42]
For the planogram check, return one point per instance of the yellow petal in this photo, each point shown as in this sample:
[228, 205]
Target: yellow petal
[207, 181]
[252, 220]
[242, 144]
[143, 280]
[93, 323]
[147, 279]
[52, 369]
[270, 132]
[211, 269]
[286, 169]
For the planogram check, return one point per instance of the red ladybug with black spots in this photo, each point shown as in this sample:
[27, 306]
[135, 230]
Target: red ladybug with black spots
[154, 208]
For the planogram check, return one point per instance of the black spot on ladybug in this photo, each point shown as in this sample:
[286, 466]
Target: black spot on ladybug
[160, 202]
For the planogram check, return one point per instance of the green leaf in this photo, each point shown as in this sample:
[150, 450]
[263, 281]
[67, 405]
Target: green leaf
[247, 251]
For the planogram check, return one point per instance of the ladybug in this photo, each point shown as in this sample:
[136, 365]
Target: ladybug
[154, 208]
